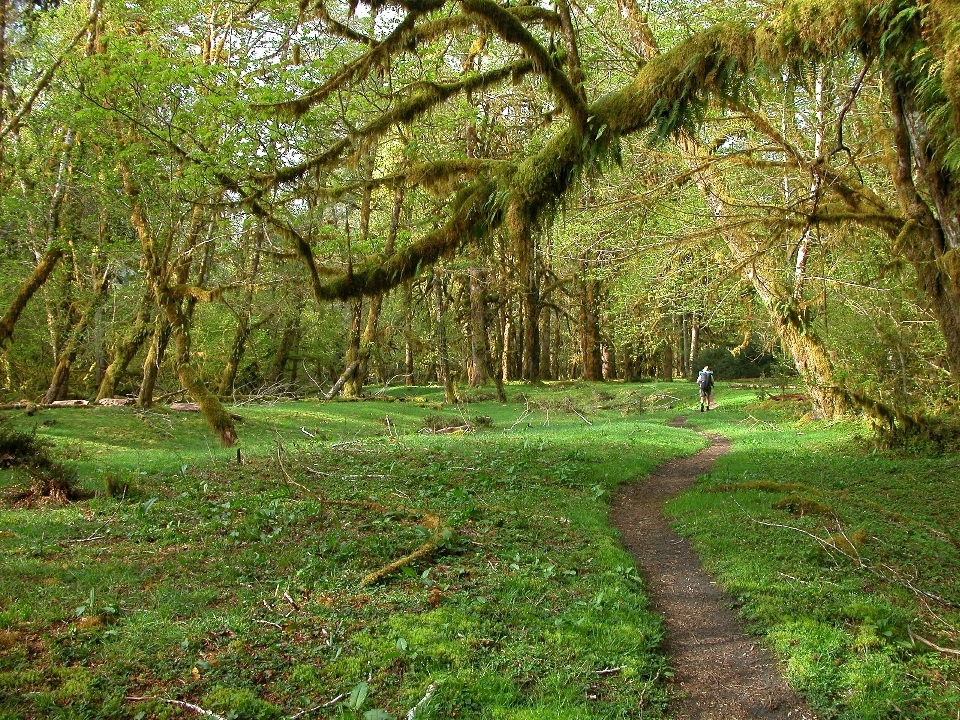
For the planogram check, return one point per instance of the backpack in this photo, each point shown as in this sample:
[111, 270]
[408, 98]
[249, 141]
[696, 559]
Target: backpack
[705, 380]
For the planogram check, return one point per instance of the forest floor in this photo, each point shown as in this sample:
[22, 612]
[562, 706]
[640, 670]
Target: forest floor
[721, 672]
[186, 579]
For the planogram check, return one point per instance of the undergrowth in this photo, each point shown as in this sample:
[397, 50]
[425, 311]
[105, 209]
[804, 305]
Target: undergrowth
[238, 587]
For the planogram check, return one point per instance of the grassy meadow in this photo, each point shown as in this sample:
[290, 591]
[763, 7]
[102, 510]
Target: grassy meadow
[193, 581]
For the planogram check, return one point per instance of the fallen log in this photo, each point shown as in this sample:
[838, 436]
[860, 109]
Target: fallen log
[195, 407]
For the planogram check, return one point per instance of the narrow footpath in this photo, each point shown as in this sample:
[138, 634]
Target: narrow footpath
[720, 672]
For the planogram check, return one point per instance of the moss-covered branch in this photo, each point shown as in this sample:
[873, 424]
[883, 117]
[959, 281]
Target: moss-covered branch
[512, 30]
[38, 277]
[421, 98]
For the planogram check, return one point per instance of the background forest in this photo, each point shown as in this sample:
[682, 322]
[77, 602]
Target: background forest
[261, 199]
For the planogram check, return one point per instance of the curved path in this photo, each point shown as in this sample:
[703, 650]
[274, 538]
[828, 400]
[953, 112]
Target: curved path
[720, 672]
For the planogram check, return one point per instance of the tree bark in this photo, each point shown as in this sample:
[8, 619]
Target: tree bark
[153, 361]
[931, 242]
[229, 375]
[38, 277]
[355, 382]
[666, 369]
[60, 381]
[408, 355]
[440, 330]
[127, 348]
[479, 369]
[590, 327]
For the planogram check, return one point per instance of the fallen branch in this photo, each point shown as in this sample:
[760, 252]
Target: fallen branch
[428, 520]
[327, 704]
[934, 646]
[180, 703]
[610, 671]
[758, 421]
[580, 415]
[448, 430]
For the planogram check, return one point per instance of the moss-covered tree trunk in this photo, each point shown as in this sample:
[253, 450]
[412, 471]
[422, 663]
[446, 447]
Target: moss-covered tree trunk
[289, 341]
[546, 338]
[479, 363]
[440, 338]
[127, 347]
[152, 362]
[930, 239]
[59, 386]
[237, 348]
[38, 277]
[409, 365]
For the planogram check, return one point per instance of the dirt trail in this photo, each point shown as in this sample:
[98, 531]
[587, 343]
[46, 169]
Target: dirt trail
[721, 673]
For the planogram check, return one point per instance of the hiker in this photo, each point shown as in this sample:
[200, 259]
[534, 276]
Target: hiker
[705, 381]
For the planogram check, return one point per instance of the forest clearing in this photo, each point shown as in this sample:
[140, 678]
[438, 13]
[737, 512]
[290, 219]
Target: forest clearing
[348, 350]
[239, 588]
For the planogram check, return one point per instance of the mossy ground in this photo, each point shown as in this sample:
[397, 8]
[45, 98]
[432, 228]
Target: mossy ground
[236, 587]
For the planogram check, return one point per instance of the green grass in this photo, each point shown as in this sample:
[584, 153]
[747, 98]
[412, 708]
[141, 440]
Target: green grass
[232, 587]
[237, 587]
[837, 553]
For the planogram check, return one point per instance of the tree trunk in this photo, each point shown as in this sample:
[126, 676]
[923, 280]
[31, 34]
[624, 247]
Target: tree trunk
[666, 369]
[38, 277]
[546, 337]
[153, 361]
[440, 330]
[479, 368]
[408, 356]
[930, 241]
[352, 355]
[237, 348]
[59, 383]
[590, 329]
[126, 349]
[694, 344]
[289, 339]
[608, 361]
[355, 382]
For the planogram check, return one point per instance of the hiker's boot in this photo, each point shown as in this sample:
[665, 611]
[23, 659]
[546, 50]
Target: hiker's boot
[701, 407]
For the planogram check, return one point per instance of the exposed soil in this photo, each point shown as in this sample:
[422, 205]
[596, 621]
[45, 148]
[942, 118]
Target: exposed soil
[720, 672]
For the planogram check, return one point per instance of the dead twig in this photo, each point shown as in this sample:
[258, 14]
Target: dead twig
[412, 712]
[327, 704]
[179, 703]
[610, 671]
[580, 415]
[758, 421]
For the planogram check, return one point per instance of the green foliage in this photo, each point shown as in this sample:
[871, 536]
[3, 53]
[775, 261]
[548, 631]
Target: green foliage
[748, 362]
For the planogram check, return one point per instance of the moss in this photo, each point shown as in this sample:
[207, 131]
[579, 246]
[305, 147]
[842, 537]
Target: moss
[803, 505]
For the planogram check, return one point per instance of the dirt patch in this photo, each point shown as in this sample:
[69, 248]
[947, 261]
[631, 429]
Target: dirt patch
[720, 672]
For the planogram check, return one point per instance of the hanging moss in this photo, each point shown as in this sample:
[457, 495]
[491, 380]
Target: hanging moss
[421, 98]
[509, 27]
[470, 219]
